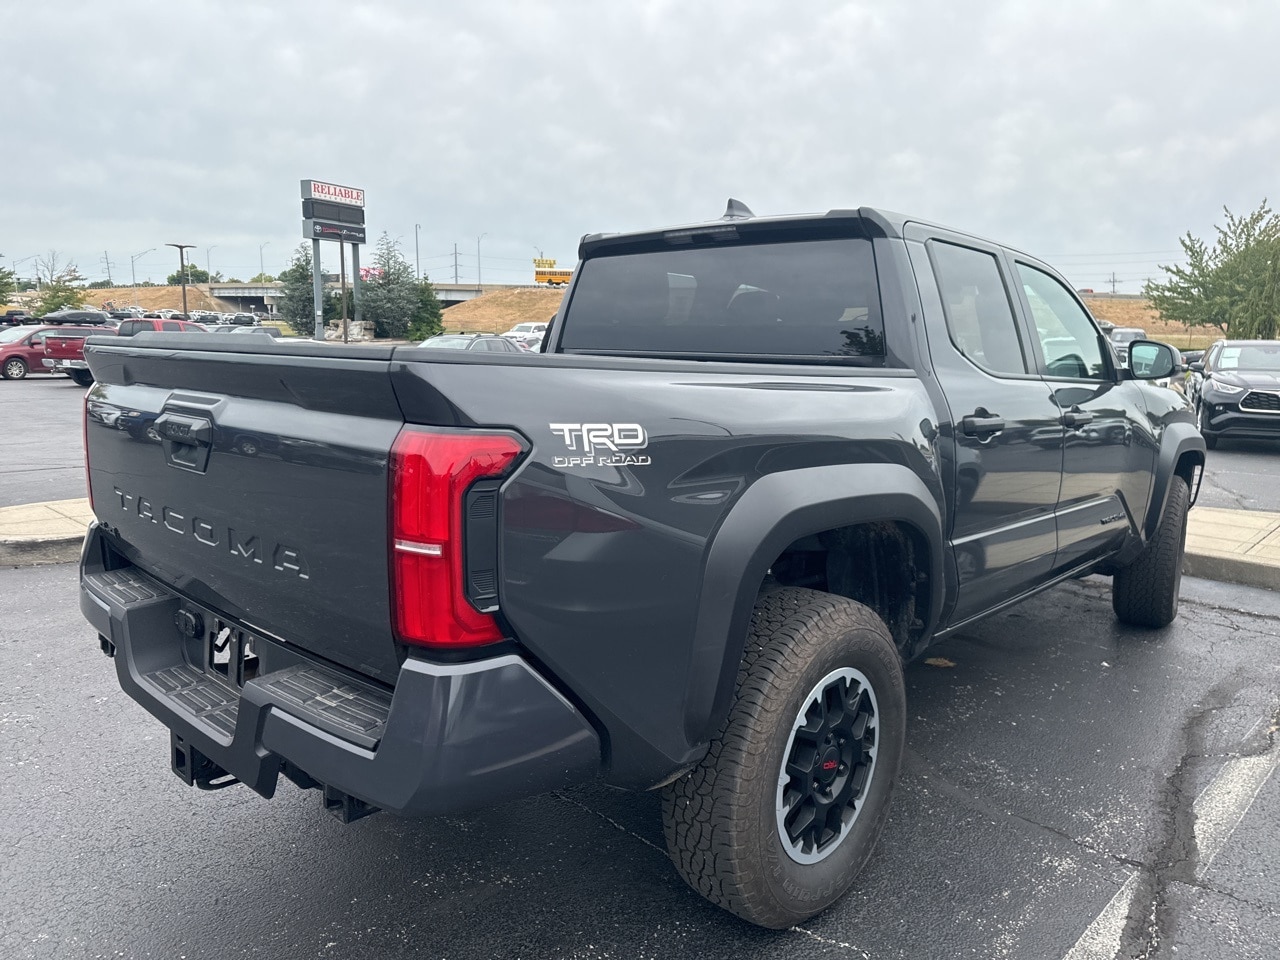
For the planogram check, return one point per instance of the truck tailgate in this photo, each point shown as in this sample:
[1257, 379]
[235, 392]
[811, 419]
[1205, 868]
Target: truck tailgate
[253, 479]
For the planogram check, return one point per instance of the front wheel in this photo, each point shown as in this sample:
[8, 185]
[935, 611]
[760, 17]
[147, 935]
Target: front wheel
[1202, 421]
[1145, 593]
[779, 817]
[15, 368]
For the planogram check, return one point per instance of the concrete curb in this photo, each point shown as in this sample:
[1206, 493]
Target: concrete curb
[28, 551]
[1241, 570]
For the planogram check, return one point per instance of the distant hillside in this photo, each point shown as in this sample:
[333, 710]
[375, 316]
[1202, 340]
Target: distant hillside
[502, 309]
[158, 298]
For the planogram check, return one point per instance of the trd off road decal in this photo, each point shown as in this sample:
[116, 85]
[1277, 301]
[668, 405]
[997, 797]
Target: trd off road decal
[601, 444]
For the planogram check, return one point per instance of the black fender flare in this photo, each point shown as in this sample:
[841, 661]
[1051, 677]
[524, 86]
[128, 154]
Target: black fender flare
[1177, 441]
[774, 512]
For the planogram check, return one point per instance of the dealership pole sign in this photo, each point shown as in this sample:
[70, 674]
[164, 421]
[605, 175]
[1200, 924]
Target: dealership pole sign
[331, 211]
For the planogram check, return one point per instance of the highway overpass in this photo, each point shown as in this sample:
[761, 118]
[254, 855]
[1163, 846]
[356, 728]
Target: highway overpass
[263, 296]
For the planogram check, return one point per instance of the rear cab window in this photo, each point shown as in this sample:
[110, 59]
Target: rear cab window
[800, 299]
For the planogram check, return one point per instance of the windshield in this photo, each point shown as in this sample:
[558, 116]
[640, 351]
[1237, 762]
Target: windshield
[768, 300]
[1260, 358]
[13, 334]
[522, 328]
[1127, 336]
[449, 343]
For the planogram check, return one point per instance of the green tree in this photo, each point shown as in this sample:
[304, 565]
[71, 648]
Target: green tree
[428, 318]
[100, 285]
[391, 297]
[58, 284]
[194, 275]
[297, 300]
[260, 278]
[8, 284]
[1233, 285]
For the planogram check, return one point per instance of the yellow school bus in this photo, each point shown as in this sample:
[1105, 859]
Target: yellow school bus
[544, 271]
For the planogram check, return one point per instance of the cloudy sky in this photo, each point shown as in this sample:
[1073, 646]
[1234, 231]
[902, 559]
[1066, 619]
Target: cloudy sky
[1091, 133]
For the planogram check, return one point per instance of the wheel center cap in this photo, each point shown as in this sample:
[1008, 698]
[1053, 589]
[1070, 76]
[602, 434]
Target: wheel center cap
[829, 765]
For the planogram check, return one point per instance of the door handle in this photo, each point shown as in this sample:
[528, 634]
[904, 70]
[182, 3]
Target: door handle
[980, 423]
[1075, 417]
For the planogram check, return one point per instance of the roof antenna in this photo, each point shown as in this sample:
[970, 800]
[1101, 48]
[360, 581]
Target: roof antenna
[737, 210]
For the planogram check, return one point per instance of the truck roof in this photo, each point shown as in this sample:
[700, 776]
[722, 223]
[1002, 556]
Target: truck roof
[853, 221]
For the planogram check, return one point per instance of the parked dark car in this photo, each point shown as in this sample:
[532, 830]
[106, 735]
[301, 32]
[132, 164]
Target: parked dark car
[1236, 390]
[485, 342]
[80, 317]
[762, 464]
[15, 317]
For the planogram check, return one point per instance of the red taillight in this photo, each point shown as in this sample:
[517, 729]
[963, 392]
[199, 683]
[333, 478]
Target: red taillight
[430, 474]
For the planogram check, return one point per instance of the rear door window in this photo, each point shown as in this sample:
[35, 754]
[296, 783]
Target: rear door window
[799, 299]
[171, 325]
[980, 319]
[130, 327]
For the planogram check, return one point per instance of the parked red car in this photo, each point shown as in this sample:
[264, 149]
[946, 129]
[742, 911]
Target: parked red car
[22, 348]
[142, 324]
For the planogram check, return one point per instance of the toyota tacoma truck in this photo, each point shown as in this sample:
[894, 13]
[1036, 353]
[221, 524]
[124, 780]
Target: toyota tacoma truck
[759, 464]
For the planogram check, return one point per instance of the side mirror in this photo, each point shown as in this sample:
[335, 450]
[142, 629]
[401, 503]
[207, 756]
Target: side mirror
[35, 342]
[1152, 360]
[1197, 366]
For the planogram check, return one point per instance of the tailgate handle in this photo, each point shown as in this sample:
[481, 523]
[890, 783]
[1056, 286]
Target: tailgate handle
[186, 441]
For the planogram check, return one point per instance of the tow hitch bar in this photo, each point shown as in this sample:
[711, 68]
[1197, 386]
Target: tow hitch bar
[195, 769]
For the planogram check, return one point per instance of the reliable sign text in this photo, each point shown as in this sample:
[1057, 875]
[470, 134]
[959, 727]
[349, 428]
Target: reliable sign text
[319, 190]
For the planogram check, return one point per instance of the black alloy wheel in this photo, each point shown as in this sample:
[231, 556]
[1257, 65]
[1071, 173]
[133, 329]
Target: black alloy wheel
[829, 765]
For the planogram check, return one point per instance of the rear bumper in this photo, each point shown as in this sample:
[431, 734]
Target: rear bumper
[62, 365]
[449, 737]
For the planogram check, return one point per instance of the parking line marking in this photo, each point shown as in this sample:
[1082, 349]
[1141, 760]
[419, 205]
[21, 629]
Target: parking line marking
[1101, 939]
[1224, 802]
[1218, 811]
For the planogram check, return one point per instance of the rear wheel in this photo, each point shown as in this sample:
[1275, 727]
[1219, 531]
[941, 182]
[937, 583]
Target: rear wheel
[82, 377]
[776, 821]
[1145, 593]
[15, 368]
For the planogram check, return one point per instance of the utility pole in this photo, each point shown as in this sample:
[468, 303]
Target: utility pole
[107, 261]
[455, 264]
[133, 272]
[208, 269]
[261, 269]
[1113, 283]
[182, 272]
[479, 273]
[417, 261]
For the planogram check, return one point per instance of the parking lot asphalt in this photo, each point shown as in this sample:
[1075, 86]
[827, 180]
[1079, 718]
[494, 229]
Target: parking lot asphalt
[41, 444]
[1073, 789]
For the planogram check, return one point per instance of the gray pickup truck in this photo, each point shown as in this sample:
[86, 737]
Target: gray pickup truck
[759, 465]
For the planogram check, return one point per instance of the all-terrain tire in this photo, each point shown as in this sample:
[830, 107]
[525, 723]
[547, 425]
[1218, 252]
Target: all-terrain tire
[15, 368]
[722, 820]
[1145, 593]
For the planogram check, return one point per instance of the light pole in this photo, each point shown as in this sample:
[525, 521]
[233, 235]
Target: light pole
[182, 271]
[479, 272]
[261, 269]
[14, 267]
[133, 273]
[208, 269]
[417, 261]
